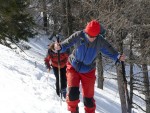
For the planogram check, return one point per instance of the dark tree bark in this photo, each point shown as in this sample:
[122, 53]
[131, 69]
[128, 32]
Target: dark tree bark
[145, 73]
[121, 89]
[146, 86]
[45, 20]
[69, 18]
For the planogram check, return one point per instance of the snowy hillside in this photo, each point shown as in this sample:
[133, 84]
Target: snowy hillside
[26, 87]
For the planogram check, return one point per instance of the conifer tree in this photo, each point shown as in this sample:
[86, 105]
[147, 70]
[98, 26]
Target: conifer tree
[15, 22]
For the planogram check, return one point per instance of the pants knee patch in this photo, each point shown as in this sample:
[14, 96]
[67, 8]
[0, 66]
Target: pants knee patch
[88, 102]
[73, 93]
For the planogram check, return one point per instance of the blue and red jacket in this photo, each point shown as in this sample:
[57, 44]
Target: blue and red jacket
[83, 57]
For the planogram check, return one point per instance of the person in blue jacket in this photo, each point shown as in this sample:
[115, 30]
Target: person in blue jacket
[81, 65]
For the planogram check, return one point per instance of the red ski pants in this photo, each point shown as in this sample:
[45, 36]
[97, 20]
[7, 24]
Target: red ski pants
[87, 82]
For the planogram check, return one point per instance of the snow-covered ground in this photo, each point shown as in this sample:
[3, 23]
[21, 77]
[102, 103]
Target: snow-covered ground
[26, 87]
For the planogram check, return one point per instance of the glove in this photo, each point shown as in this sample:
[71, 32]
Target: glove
[49, 69]
[122, 57]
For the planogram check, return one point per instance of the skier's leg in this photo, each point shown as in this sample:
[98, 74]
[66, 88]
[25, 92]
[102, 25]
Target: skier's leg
[88, 81]
[55, 70]
[73, 80]
[63, 81]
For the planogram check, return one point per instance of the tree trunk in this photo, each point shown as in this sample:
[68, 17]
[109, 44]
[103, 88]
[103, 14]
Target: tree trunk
[121, 83]
[146, 86]
[145, 73]
[100, 77]
[64, 18]
[121, 89]
[45, 22]
[69, 18]
[131, 77]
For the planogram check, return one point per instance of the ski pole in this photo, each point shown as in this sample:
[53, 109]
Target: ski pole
[125, 82]
[125, 85]
[58, 52]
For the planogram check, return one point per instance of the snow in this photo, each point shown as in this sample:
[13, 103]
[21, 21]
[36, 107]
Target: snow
[26, 86]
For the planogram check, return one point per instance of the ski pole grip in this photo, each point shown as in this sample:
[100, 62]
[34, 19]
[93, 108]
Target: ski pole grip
[57, 38]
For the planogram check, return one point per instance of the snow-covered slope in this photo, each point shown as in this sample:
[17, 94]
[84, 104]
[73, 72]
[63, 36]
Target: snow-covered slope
[26, 87]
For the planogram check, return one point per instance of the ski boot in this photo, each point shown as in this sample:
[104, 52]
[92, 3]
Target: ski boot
[64, 93]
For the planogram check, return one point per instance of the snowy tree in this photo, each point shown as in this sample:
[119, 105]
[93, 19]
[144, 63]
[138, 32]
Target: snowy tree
[16, 22]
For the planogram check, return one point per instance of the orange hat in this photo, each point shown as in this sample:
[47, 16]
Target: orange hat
[92, 28]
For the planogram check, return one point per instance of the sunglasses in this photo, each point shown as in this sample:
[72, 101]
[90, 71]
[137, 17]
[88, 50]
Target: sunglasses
[88, 36]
